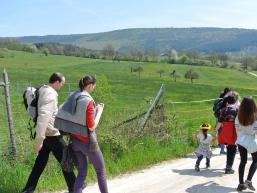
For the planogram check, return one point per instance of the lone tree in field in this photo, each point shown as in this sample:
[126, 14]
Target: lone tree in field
[160, 72]
[139, 69]
[174, 75]
[190, 74]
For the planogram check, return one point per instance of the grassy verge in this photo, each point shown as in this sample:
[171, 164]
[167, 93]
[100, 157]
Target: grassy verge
[145, 153]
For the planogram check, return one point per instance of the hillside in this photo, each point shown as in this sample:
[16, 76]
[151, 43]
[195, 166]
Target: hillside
[124, 95]
[160, 39]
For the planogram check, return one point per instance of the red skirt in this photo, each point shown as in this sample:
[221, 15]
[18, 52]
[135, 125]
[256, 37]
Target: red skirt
[227, 134]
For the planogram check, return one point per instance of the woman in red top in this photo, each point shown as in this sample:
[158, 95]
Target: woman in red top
[81, 145]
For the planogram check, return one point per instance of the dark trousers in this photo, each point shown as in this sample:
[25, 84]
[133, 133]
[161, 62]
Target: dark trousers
[54, 144]
[241, 169]
[231, 153]
[199, 159]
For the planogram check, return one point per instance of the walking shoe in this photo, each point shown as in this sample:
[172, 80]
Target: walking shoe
[241, 187]
[83, 187]
[229, 171]
[28, 190]
[197, 168]
[249, 185]
[223, 152]
[207, 166]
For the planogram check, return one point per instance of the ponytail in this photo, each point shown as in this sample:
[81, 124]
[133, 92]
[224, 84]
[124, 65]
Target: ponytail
[81, 84]
[86, 81]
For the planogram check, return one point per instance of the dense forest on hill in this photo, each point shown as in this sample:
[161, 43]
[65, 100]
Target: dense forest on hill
[159, 39]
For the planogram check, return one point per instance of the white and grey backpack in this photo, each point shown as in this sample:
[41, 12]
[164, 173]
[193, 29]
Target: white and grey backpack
[30, 100]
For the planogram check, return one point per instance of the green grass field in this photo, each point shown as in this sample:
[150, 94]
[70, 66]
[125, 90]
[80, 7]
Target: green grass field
[124, 96]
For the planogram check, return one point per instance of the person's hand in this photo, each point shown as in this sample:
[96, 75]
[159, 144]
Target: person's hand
[100, 108]
[213, 140]
[38, 147]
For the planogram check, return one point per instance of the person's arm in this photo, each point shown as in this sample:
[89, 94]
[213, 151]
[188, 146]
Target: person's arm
[237, 126]
[255, 128]
[92, 120]
[45, 112]
[215, 131]
[219, 124]
[196, 135]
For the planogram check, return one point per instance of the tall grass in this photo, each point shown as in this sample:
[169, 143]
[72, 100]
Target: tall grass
[127, 147]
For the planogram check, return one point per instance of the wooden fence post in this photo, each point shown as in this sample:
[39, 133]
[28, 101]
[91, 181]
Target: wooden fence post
[9, 112]
[154, 103]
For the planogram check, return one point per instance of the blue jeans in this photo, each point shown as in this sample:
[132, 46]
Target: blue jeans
[199, 159]
[222, 147]
[81, 151]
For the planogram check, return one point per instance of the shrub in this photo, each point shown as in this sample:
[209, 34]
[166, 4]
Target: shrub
[112, 145]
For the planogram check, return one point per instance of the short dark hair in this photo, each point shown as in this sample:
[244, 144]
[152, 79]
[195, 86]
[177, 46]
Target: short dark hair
[225, 91]
[57, 76]
[83, 82]
[230, 100]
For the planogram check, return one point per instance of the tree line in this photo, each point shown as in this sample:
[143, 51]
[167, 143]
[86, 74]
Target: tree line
[242, 60]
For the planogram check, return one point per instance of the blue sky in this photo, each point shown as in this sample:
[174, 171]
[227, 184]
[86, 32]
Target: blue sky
[44, 17]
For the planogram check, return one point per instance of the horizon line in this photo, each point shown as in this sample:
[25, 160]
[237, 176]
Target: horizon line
[132, 28]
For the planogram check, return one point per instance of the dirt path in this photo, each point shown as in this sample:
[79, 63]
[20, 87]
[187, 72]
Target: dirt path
[252, 74]
[178, 176]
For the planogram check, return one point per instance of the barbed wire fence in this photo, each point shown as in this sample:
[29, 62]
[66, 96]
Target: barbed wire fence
[155, 125]
[170, 120]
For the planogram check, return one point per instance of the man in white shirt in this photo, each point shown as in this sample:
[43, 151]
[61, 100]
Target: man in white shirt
[48, 138]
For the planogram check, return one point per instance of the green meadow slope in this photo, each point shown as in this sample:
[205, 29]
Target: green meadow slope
[124, 95]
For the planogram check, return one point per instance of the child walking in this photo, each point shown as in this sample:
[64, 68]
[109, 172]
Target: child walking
[246, 127]
[204, 149]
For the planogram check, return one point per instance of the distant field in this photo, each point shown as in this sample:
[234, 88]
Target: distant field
[125, 86]
[129, 97]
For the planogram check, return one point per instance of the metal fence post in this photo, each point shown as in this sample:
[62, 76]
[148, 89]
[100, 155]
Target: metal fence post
[9, 112]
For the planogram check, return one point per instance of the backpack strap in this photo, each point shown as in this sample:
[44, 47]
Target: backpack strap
[30, 128]
[36, 105]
